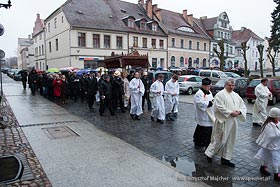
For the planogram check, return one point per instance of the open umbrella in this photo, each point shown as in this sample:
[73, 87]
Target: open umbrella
[81, 71]
[53, 70]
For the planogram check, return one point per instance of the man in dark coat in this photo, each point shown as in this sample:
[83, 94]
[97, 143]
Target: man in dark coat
[75, 86]
[117, 84]
[105, 91]
[32, 81]
[24, 78]
[147, 84]
[92, 89]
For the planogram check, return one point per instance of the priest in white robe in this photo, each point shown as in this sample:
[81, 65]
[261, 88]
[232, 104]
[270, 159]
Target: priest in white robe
[157, 91]
[171, 98]
[204, 114]
[137, 90]
[228, 106]
[260, 106]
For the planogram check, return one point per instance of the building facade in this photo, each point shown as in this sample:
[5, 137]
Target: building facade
[188, 44]
[252, 53]
[79, 37]
[38, 37]
[219, 29]
[25, 52]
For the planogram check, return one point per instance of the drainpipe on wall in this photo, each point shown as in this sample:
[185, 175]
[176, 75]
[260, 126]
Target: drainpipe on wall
[167, 52]
[70, 64]
[46, 59]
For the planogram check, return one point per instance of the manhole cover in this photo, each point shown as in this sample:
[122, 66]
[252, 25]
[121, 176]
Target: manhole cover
[59, 132]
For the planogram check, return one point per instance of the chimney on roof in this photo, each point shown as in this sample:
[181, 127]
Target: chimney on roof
[141, 2]
[155, 7]
[158, 14]
[203, 17]
[190, 19]
[243, 29]
[149, 8]
[185, 15]
[29, 37]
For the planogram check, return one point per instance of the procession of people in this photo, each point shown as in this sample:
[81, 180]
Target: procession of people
[216, 118]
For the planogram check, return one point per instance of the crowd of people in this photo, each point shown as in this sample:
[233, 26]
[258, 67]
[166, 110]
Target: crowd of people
[216, 117]
[112, 90]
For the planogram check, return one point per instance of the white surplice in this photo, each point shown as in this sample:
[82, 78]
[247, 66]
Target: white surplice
[202, 116]
[157, 91]
[172, 96]
[269, 141]
[137, 89]
[225, 127]
[260, 105]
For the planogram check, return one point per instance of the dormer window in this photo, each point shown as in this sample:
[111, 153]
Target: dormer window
[186, 29]
[143, 25]
[154, 27]
[130, 23]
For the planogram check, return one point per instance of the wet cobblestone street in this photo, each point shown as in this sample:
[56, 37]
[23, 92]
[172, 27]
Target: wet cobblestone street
[174, 139]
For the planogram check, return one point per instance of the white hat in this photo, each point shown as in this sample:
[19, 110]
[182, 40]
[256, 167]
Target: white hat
[117, 73]
[145, 73]
[274, 113]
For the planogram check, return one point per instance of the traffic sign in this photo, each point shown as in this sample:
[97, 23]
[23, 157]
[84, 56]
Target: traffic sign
[2, 30]
[2, 54]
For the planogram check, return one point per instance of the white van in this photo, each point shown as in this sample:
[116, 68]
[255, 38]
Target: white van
[213, 75]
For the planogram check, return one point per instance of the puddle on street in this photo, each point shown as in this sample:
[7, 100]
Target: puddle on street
[182, 164]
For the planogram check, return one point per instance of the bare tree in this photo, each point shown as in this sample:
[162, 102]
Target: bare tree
[260, 49]
[220, 54]
[244, 48]
[272, 57]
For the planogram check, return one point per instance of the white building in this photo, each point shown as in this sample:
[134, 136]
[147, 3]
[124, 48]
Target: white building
[252, 54]
[79, 37]
[25, 52]
[38, 37]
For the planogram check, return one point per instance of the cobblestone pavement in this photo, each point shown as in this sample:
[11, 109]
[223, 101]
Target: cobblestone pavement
[174, 139]
[14, 142]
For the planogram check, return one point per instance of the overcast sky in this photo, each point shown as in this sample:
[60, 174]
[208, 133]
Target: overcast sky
[254, 14]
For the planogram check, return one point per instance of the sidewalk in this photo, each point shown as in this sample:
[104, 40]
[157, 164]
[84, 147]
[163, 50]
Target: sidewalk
[73, 152]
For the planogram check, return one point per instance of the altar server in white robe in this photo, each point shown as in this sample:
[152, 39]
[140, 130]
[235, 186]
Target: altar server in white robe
[228, 106]
[260, 106]
[137, 90]
[172, 98]
[157, 90]
[204, 114]
[269, 141]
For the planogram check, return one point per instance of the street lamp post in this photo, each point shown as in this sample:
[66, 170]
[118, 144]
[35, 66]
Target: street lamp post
[8, 5]
[260, 49]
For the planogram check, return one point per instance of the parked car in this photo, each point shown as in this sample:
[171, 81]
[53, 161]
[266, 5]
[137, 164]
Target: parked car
[213, 75]
[273, 85]
[240, 86]
[12, 72]
[153, 75]
[189, 83]
[232, 75]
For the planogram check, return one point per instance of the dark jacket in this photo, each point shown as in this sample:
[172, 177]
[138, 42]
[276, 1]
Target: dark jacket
[105, 88]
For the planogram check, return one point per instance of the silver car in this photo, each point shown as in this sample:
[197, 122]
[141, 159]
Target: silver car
[189, 83]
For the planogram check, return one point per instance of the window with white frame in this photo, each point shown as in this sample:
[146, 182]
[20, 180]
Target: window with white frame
[107, 41]
[182, 43]
[154, 43]
[143, 25]
[50, 47]
[173, 42]
[135, 41]
[154, 27]
[119, 42]
[96, 40]
[161, 44]
[55, 21]
[56, 44]
[131, 23]
[49, 27]
[144, 42]
[81, 39]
